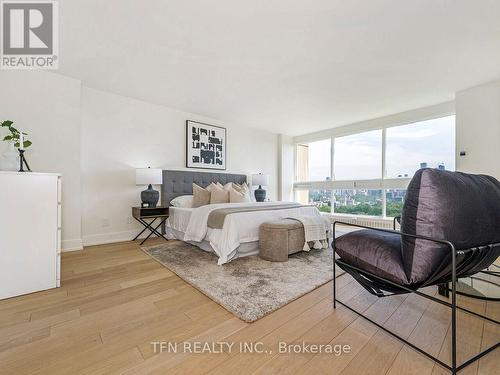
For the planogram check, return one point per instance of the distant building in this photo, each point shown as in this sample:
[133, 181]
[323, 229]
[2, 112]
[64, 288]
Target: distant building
[423, 165]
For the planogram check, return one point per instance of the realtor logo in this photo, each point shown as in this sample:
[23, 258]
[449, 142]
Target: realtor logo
[29, 35]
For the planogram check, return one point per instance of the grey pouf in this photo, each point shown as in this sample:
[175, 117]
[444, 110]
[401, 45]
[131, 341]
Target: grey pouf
[280, 238]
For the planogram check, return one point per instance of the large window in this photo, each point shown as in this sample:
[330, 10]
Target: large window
[314, 161]
[358, 202]
[423, 144]
[395, 199]
[371, 169]
[358, 156]
[320, 198]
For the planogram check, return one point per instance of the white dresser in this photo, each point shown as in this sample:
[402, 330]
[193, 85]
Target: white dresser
[30, 232]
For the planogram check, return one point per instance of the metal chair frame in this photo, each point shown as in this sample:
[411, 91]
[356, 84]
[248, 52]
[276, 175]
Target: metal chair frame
[454, 368]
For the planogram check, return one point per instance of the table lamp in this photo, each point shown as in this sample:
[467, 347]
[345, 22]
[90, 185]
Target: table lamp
[259, 180]
[149, 176]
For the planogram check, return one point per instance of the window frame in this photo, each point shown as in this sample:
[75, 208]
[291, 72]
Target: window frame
[384, 183]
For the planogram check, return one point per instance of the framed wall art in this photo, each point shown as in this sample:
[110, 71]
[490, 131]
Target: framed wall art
[205, 146]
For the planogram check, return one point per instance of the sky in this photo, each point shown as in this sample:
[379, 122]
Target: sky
[359, 156]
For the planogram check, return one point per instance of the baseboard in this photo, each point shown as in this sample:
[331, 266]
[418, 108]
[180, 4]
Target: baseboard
[71, 245]
[106, 238]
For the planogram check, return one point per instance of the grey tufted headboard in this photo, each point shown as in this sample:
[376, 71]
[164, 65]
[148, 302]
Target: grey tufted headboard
[176, 183]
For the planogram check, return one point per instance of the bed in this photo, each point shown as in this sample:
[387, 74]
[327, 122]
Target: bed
[238, 236]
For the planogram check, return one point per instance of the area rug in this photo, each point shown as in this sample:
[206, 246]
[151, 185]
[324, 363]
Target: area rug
[249, 287]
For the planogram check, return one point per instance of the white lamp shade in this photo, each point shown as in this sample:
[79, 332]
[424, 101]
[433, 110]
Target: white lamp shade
[260, 179]
[146, 176]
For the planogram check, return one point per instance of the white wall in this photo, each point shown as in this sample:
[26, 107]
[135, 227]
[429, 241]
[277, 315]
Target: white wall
[286, 167]
[47, 106]
[96, 140]
[478, 129]
[120, 134]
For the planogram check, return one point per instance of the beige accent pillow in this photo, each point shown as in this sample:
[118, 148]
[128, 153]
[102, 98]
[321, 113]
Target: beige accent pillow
[235, 196]
[238, 196]
[244, 189]
[219, 196]
[201, 197]
[213, 186]
[217, 193]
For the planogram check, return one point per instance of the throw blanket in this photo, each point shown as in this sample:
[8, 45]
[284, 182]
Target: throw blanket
[316, 229]
[217, 217]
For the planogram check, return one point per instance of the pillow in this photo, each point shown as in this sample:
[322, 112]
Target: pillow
[183, 201]
[239, 195]
[201, 197]
[219, 196]
[213, 186]
[236, 196]
[217, 193]
[244, 189]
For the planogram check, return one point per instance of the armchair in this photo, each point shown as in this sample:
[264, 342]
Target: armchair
[450, 228]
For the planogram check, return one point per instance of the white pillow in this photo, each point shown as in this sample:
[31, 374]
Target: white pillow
[183, 201]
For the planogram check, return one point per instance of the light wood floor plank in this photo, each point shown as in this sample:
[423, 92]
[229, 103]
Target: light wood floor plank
[115, 301]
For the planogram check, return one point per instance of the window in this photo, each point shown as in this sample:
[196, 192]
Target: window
[358, 202]
[372, 169]
[320, 198]
[422, 144]
[395, 199]
[358, 156]
[314, 161]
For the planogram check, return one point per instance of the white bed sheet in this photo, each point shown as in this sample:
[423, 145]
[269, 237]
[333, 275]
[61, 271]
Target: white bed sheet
[179, 218]
[239, 228]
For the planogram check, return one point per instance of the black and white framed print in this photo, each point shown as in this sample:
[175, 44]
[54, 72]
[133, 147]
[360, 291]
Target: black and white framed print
[205, 146]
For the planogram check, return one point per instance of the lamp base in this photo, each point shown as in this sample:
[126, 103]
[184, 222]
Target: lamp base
[260, 194]
[150, 197]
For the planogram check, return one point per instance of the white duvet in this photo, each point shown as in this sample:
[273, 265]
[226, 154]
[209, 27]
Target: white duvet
[238, 228]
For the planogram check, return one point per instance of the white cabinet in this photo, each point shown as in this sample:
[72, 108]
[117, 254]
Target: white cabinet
[30, 232]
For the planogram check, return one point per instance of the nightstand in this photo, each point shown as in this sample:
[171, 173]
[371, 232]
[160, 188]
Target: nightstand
[147, 217]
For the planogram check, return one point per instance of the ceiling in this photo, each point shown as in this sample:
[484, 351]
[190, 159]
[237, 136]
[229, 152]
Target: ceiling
[289, 66]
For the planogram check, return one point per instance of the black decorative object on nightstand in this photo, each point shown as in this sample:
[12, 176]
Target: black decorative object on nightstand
[149, 176]
[260, 194]
[142, 214]
[260, 180]
[150, 197]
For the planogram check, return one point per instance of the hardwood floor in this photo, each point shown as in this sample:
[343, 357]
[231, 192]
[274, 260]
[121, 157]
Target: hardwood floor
[115, 301]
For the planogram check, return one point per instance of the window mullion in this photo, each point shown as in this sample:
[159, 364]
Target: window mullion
[384, 172]
[384, 161]
[332, 173]
[332, 158]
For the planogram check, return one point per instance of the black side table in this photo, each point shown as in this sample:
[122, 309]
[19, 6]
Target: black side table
[142, 214]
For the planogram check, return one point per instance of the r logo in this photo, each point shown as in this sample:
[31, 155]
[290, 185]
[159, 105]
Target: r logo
[30, 36]
[28, 28]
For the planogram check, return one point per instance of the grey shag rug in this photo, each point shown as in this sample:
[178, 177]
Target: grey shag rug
[249, 287]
